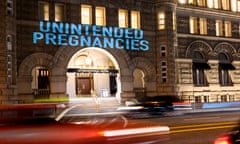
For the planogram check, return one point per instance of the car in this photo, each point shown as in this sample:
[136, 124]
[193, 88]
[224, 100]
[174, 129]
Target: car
[150, 106]
[75, 128]
[230, 137]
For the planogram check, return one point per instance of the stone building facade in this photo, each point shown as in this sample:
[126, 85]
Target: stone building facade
[123, 49]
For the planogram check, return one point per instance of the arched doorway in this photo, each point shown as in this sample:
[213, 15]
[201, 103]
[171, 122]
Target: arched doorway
[40, 82]
[93, 72]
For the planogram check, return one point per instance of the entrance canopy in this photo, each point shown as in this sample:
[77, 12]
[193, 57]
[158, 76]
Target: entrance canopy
[79, 70]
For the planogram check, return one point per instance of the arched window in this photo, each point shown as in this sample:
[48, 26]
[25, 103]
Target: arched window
[199, 65]
[223, 69]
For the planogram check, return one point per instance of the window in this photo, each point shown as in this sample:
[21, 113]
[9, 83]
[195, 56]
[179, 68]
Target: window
[163, 71]
[193, 2]
[59, 12]
[123, 18]
[9, 69]
[226, 4]
[203, 26]
[161, 20]
[219, 29]
[210, 3]
[205, 98]
[10, 7]
[223, 98]
[9, 42]
[198, 99]
[238, 5]
[100, 15]
[135, 19]
[86, 14]
[193, 25]
[163, 51]
[224, 67]
[216, 4]
[43, 11]
[228, 29]
[198, 68]
[201, 2]
[174, 21]
[234, 5]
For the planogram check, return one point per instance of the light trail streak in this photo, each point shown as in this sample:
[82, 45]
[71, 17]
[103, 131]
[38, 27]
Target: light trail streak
[202, 127]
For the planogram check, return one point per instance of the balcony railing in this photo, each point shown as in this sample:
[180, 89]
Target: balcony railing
[40, 93]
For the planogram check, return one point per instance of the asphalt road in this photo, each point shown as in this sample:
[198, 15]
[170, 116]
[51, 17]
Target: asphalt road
[201, 128]
[194, 128]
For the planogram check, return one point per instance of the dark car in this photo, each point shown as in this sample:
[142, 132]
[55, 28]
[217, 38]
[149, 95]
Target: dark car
[231, 137]
[157, 105]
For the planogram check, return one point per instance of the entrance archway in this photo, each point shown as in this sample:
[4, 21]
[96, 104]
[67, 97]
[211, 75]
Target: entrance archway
[93, 72]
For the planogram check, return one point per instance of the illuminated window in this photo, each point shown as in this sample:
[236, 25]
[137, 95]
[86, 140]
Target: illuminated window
[86, 14]
[203, 25]
[226, 4]
[193, 25]
[44, 11]
[201, 2]
[174, 21]
[238, 5]
[219, 29]
[216, 4]
[193, 2]
[161, 20]
[123, 18]
[228, 29]
[210, 3]
[59, 12]
[234, 5]
[135, 19]
[100, 15]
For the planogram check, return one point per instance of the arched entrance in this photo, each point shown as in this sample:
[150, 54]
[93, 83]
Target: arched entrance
[93, 72]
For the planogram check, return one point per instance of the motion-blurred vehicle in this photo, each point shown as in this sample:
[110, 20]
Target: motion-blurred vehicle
[157, 105]
[231, 137]
[47, 130]
[100, 128]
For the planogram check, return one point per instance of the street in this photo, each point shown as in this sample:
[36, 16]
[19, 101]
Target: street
[201, 128]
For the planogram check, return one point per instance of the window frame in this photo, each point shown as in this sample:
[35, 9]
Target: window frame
[59, 15]
[135, 21]
[161, 20]
[44, 14]
[193, 25]
[102, 17]
[86, 19]
[123, 18]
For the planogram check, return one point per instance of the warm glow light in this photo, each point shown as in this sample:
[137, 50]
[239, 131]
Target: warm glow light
[111, 133]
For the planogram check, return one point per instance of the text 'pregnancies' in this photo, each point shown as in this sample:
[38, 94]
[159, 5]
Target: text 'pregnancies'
[70, 34]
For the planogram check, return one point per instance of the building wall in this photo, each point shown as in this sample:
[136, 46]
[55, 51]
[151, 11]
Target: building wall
[168, 74]
[56, 58]
[7, 51]
[211, 45]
